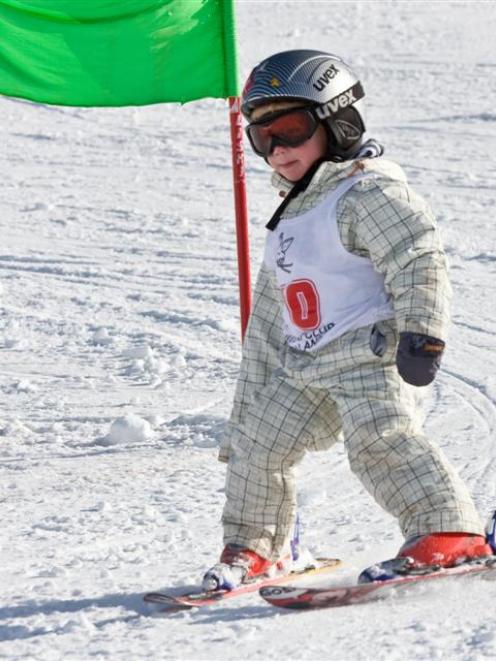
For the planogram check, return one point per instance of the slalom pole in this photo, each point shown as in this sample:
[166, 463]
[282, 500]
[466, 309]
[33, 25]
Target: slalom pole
[241, 209]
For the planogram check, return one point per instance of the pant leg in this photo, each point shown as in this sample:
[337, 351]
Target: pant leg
[406, 473]
[282, 422]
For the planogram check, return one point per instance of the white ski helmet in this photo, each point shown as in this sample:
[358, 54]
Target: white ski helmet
[321, 81]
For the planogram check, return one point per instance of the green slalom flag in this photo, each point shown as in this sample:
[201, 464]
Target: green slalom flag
[117, 52]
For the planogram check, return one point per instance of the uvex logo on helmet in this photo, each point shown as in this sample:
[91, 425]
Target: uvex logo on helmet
[341, 101]
[330, 73]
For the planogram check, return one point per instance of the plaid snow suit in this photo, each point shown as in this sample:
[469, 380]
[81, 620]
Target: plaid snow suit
[288, 402]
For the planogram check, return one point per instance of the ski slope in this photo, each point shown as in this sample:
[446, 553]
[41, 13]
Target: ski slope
[119, 346]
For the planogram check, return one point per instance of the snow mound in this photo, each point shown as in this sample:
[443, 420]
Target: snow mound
[101, 337]
[128, 428]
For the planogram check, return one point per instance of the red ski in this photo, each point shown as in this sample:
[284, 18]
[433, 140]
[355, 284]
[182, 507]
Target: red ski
[289, 596]
[173, 603]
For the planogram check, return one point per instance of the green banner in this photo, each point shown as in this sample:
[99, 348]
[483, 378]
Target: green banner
[117, 52]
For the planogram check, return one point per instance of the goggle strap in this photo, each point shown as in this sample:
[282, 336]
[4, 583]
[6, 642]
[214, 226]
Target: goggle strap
[299, 187]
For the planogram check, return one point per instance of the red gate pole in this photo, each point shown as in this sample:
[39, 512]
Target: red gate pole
[242, 239]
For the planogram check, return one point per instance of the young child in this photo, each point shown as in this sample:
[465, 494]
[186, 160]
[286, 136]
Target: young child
[349, 318]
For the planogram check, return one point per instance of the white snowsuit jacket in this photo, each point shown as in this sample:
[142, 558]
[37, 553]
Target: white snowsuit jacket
[287, 401]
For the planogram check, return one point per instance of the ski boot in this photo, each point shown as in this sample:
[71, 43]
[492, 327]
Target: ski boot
[239, 564]
[424, 554]
[491, 531]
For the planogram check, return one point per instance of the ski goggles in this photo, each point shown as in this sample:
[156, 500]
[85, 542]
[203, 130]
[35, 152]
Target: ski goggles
[290, 127]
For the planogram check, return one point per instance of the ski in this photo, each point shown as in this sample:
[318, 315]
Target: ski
[289, 596]
[172, 603]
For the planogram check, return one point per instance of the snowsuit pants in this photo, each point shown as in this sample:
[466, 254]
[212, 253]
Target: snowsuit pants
[343, 391]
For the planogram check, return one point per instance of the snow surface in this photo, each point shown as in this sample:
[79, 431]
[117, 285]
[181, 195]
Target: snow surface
[119, 341]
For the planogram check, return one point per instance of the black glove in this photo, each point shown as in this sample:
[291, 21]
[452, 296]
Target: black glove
[418, 358]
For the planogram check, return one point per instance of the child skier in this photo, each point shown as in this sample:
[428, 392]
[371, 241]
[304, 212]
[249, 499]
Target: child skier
[350, 316]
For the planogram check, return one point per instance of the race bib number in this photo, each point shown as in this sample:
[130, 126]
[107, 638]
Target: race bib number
[303, 303]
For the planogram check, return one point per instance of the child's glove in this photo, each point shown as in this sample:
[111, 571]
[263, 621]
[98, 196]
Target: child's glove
[418, 358]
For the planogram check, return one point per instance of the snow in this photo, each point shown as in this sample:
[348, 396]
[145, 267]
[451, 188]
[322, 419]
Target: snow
[119, 344]
[128, 428]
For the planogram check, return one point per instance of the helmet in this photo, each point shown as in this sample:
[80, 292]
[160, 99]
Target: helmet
[322, 81]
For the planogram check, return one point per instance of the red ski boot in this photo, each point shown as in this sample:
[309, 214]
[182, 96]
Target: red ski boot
[444, 549]
[425, 553]
[238, 565]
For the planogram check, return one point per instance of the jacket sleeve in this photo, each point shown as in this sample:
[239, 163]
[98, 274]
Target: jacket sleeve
[261, 347]
[395, 227]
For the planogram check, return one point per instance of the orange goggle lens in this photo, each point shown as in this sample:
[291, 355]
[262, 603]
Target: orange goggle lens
[289, 128]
